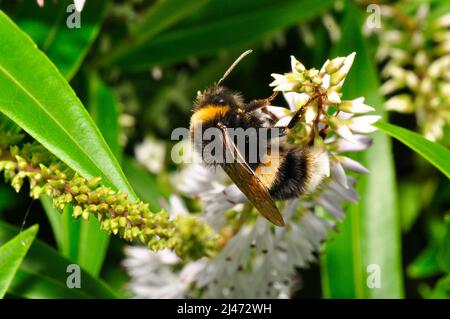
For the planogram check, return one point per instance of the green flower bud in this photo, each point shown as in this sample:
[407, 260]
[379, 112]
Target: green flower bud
[122, 221]
[77, 211]
[93, 182]
[21, 163]
[44, 170]
[75, 190]
[94, 196]
[82, 199]
[85, 215]
[84, 189]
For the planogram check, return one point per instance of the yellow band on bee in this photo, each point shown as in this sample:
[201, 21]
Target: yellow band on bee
[209, 112]
[267, 170]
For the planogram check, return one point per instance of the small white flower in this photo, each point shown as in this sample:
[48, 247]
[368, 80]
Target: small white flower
[296, 65]
[338, 173]
[195, 179]
[219, 200]
[152, 275]
[151, 154]
[344, 194]
[353, 165]
[326, 81]
[392, 85]
[175, 206]
[400, 103]
[333, 207]
[362, 124]
[296, 100]
[339, 76]
[279, 112]
[334, 97]
[345, 132]
[361, 143]
[356, 106]
[310, 114]
[282, 83]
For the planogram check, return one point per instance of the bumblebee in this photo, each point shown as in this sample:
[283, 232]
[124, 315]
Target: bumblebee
[275, 173]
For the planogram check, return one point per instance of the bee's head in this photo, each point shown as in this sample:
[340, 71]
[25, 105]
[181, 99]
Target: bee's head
[217, 96]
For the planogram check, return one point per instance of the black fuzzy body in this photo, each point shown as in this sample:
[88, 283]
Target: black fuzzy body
[292, 176]
[293, 172]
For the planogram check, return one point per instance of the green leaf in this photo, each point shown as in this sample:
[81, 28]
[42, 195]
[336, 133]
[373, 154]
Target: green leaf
[440, 291]
[436, 154]
[12, 254]
[28, 284]
[426, 264]
[443, 256]
[66, 47]
[43, 273]
[374, 228]
[67, 230]
[103, 107]
[409, 203]
[243, 27]
[38, 99]
[92, 248]
[162, 15]
[54, 217]
[339, 254]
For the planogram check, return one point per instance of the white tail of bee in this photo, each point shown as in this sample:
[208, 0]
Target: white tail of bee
[320, 169]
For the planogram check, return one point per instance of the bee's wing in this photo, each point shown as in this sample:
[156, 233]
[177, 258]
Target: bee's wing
[249, 183]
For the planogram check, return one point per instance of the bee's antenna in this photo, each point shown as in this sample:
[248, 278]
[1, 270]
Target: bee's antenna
[243, 55]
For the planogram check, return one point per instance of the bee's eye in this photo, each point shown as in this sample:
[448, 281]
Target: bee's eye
[221, 101]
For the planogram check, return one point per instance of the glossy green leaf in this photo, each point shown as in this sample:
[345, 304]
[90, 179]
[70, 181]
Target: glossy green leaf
[54, 217]
[38, 99]
[436, 154]
[93, 244]
[43, 273]
[48, 27]
[30, 285]
[12, 254]
[244, 27]
[65, 229]
[374, 241]
[103, 108]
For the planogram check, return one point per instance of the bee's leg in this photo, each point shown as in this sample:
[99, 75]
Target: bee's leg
[297, 116]
[257, 104]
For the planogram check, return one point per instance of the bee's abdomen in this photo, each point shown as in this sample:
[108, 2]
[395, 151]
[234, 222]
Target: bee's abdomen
[293, 175]
[301, 172]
